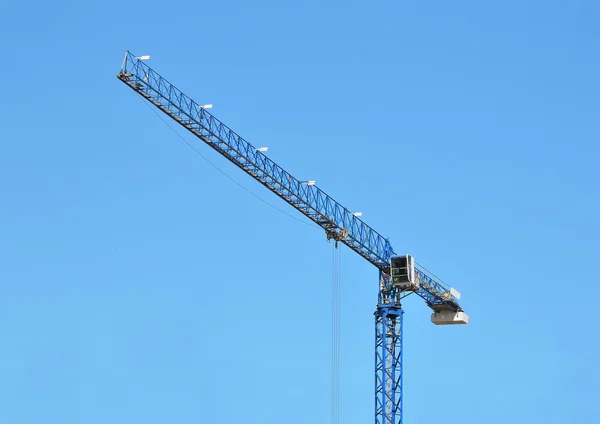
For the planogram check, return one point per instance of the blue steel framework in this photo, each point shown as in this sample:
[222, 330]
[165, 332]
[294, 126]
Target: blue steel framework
[388, 364]
[337, 221]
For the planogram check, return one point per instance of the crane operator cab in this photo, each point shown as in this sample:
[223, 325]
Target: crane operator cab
[403, 273]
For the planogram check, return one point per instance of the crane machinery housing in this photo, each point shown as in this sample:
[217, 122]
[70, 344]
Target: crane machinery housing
[399, 275]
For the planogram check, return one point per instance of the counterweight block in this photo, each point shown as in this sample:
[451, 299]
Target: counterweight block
[449, 318]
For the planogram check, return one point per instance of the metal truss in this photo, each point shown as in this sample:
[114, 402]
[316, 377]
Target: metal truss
[338, 222]
[307, 198]
[388, 364]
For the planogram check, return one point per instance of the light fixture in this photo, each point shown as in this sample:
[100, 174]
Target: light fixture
[262, 149]
[206, 107]
[311, 182]
[145, 57]
[357, 213]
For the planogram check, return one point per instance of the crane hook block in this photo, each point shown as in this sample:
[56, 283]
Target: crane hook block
[402, 270]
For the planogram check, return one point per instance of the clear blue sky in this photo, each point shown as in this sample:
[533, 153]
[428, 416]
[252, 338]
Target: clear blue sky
[139, 285]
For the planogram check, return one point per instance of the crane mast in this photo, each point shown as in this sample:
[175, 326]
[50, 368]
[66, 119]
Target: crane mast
[399, 276]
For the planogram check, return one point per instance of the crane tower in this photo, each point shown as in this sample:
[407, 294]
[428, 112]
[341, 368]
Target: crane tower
[399, 275]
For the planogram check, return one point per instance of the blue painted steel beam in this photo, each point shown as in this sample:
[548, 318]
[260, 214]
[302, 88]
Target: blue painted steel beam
[338, 222]
[388, 364]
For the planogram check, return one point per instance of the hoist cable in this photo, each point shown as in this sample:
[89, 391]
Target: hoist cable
[191, 146]
[335, 337]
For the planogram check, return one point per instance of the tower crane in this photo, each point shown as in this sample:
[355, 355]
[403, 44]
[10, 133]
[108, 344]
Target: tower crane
[399, 275]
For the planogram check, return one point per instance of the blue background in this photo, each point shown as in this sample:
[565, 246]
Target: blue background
[140, 285]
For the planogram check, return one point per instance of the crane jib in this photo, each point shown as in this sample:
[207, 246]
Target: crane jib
[307, 198]
[338, 222]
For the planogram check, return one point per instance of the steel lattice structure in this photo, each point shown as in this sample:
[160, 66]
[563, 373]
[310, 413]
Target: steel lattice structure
[338, 222]
[388, 364]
